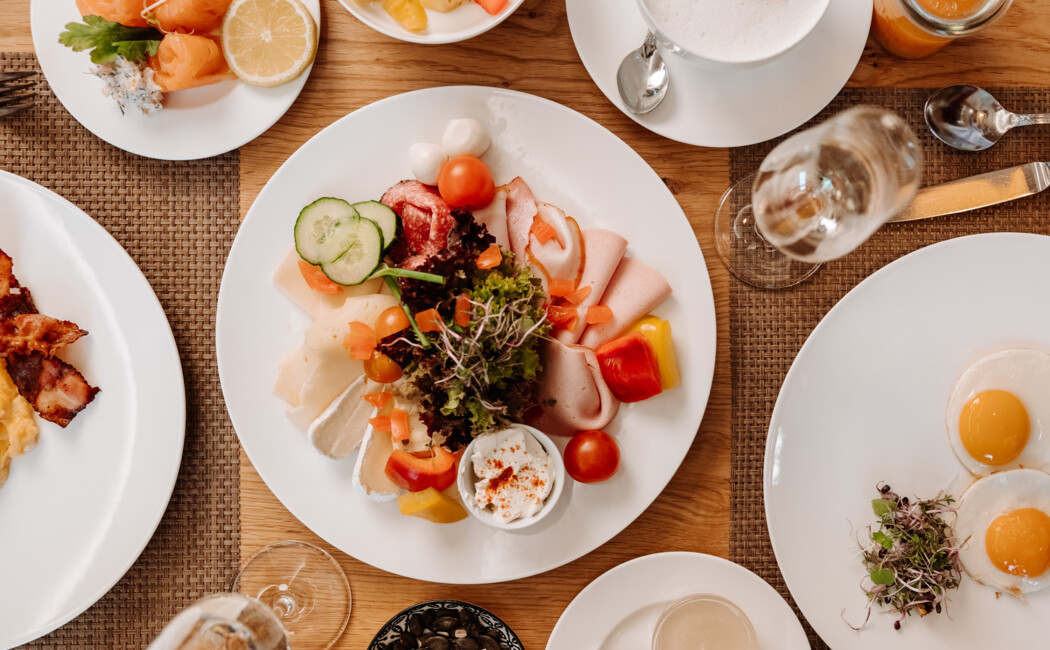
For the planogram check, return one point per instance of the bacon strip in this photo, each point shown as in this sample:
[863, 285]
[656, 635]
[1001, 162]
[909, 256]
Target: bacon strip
[27, 333]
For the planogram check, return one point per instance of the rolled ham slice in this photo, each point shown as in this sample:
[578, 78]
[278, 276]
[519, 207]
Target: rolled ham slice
[572, 395]
[604, 249]
[521, 210]
[561, 257]
[634, 290]
[494, 217]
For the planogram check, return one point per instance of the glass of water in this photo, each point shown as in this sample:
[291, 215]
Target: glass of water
[817, 196]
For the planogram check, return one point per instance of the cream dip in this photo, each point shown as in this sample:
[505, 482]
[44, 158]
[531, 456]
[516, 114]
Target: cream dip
[515, 474]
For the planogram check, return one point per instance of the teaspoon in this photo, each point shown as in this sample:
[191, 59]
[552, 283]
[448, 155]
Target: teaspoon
[967, 117]
[642, 78]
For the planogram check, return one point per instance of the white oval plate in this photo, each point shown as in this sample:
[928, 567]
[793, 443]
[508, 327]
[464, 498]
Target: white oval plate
[720, 108]
[619, 610]
[569, 161]
[195, 123]
[864, 402]
[463, 22]
[78, 509]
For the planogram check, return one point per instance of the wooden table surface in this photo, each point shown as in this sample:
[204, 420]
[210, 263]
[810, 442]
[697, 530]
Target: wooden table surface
[533, 52]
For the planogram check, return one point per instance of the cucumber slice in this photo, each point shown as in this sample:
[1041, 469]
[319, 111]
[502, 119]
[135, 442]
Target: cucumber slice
[383, 216]
[361, 258]
[321, 231]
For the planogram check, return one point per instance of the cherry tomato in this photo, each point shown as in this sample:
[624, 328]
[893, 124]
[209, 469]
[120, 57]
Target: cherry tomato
[591, 456]
[382, 369]
[466, 182]
[391, 321]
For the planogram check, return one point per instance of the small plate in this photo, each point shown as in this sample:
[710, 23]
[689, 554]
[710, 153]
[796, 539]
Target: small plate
[619, 610]
[726, 108]
[399, 623]
[194, 123]
[463, 22]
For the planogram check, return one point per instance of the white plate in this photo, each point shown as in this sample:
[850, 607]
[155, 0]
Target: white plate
[466, 21]
[569, 161]
[618, 611]
[79, 508]
[719, 108]
[195, 123]
[864, 402]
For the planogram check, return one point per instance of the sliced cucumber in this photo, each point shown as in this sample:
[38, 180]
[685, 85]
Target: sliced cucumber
[321, 231]
[383, 216]
[361, 257]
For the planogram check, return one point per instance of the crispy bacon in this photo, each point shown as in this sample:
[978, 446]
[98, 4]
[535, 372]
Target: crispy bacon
[53, 387]
[15, 299]
[27, 333]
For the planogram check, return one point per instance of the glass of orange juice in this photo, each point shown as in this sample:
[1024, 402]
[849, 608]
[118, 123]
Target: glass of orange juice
[913, 29]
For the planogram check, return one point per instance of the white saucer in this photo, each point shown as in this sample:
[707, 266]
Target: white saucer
[715, 108]
[619, 610]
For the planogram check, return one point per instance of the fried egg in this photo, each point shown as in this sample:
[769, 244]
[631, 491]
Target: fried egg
[1003, 523]
[999, 413]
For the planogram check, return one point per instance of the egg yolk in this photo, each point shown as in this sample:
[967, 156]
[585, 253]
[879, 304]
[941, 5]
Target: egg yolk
[1019, 542]
[994, 427]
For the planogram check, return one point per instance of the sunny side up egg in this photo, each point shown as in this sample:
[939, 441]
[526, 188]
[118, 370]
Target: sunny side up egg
[999, 413]
[1003, 523]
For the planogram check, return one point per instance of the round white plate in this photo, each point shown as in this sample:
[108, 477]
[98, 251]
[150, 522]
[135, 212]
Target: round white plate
[618, 611]
[725, 108]
[78, 509]
[466, 21]
[865, 402]
[594, 177]
[195, 123]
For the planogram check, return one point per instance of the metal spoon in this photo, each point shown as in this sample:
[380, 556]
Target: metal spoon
[967, 117]
[642, 78]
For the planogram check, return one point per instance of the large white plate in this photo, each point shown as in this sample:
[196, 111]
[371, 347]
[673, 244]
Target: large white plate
[79, 508]
[864, 402]
[195, 123]
[725, 108]
[569, 161]
[466, 21]
[619, 610]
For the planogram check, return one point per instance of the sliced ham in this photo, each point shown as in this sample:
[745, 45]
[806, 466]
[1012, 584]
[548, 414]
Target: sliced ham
[634, 290]
[604, 249]
[494, 218]
[561, 257]
[572, 395]
[425, 217]
[521, 210]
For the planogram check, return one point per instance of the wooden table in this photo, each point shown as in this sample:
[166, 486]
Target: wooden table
[533, 52]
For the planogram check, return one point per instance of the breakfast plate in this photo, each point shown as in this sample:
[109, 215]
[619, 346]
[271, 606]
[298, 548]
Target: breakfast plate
[619, 610]
[78, 509]
[725, 108]
[195, 123]
[865, 401]
[596, 178]
[466, 21]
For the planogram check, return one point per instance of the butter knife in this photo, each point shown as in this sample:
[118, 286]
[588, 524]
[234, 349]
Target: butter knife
[977, 191]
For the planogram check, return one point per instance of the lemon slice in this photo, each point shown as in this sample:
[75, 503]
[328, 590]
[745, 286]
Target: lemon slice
[268, 42]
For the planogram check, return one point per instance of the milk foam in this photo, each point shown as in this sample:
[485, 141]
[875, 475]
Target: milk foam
[735, 30]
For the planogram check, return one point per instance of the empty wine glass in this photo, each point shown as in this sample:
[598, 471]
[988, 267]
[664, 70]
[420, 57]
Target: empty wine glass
[817, 196]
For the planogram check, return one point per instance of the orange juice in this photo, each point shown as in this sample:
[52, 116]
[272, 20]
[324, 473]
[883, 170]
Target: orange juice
[896, 30]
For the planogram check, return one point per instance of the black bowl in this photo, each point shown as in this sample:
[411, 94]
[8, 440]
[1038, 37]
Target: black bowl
[391, 632]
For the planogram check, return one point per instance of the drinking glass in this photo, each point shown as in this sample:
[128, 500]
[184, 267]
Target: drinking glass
[817, 196]
[287, 593]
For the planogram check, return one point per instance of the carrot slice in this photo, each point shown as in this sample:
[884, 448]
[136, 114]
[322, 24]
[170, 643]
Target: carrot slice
[399, 425]
[570, 324]
[429, 321]
[560, 288]
[378, 400]
[598, 314]
[543, 231]
[462, 310]
[381, 423]
[361, 341]
[491, 258]
[578, 296]
[317, 280]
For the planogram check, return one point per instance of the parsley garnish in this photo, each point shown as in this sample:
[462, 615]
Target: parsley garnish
[108, 40]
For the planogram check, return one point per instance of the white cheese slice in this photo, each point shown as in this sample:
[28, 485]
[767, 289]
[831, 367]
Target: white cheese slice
[290, 376]
[341, 427]
[327, 375]
[419, 438]
[326, 334]
[289, 279]
[370, 470]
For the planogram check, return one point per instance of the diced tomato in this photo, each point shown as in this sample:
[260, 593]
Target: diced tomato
[391, 321]
[421, 470]
[578, 296]
[382, 369]
[541, 230]
[361, 341]
[560, 288]
[378, 400]
[598, 314]
[317, 280]
[399, 425]
[462, 310]
[492, 7]
[491, 258]
[381, 423]
[429, 321]
[629, 366]
[561, 316]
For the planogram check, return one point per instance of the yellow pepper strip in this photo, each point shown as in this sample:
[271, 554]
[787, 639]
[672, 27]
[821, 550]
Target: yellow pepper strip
[658, 332]
[431, 505]
[409, 13]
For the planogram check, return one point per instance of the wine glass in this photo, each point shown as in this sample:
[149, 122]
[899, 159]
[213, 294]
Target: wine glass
[286, 592]
[817, 196]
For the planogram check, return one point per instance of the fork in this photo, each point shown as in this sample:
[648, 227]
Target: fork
[11, 102]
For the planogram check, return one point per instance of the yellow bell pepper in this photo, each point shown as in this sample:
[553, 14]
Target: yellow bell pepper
[409, 13]
[431, 505]
[658, 332]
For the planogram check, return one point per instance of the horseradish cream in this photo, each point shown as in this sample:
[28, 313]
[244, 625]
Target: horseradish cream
[515, 474]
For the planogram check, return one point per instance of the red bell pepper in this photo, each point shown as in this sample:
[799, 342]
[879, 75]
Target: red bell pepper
[415, 471]
[629, 366]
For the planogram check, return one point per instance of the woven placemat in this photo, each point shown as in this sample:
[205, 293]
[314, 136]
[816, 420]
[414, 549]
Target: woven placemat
[767, 328]
[177, 220]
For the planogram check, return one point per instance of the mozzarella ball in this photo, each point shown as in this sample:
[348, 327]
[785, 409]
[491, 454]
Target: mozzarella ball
[465, 136]
[425, 159]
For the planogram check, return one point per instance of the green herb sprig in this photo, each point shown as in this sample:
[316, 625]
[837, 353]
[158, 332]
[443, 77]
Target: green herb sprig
[108, 40]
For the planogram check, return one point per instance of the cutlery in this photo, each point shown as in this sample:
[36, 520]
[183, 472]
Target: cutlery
[977, 191]
[969, 118]
[642, 78]
[11, 102]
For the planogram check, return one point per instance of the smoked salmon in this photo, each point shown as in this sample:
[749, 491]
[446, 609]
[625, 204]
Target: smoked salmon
[125, 12]
[191, 16]
[188, 61]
